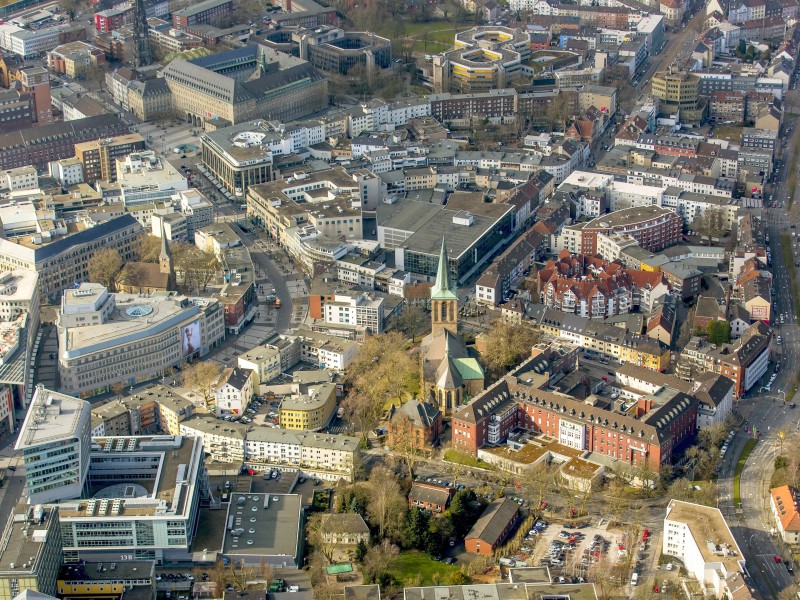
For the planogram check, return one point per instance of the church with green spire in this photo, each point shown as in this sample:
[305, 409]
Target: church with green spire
[450, 375]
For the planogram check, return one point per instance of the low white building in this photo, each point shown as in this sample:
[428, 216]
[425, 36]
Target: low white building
[21, 178]
[714, 394]
[360, 310]
[700, 538]
[67, 171]
[234, 392]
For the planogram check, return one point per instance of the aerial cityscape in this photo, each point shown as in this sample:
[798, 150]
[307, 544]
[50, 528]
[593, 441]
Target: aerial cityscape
[399, 299]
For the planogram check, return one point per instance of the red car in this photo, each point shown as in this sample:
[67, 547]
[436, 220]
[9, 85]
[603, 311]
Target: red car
[645, 534]
[543, 505]
[777, 559]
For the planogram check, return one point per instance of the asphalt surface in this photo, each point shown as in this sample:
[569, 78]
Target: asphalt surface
[768, 411]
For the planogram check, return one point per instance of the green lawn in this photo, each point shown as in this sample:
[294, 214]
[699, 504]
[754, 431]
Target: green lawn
[737, 476]
[440, 34]
[409, 566]
[463, 458]
[788, 263]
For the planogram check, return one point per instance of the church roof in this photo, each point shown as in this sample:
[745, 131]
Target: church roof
[469, 368]
[447, 375]
[443, 289]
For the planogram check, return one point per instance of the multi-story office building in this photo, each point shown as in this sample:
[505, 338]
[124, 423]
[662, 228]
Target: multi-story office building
[241, 156]
[98, 157]
[40, 145]
[337, 51]
[55, 440]
[360, 311]
[247, 83]
[484, 58]
[61, 260]
[149, 490]
[678, 91]
[222, 440]
[123, 338]
[30, 552]
[201, 12]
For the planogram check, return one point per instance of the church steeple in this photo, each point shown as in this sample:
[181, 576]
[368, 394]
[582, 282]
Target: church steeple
[444, 297]
[165, 258]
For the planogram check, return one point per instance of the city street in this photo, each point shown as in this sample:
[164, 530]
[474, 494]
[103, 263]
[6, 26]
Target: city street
[751, 522]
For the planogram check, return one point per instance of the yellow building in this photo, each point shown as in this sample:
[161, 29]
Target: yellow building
[106, 580]
[312, 403]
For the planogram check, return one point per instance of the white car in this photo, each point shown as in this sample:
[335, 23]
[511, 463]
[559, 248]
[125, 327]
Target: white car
[779, 340]
[669, 566]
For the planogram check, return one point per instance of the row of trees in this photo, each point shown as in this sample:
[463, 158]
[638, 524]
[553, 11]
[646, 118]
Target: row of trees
[195, 269]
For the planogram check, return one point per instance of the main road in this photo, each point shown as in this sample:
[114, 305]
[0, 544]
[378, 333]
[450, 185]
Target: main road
[767, 411]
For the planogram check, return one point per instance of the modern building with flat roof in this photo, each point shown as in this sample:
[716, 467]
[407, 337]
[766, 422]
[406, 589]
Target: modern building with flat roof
[414, 231]
[484, 58]
[55, 440]
[700, 538]
[30, 551]
[143, 499]
[264, 529]
[131, 339]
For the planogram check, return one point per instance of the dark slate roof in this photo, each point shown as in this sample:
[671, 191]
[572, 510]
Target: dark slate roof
[491, 524]
[432, 494]
[345, 523]
[238, 378]
[91, 234]
[421, 414]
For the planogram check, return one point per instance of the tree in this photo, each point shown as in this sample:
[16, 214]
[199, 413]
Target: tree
[540, 479]
[203, 376]
[381, 372]
[505, 344]
[412, 320]
[464, 510]
[415, 529]
[316, 530]
[719, 332]
[686, 328]
[363, 411]
[387, 505]
[378, 560]
[196, 267]
[406, 443]
[104, 268]
[148, 249]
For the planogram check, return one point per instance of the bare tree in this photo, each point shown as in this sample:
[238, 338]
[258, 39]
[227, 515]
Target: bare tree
[406, 443]
[316, 530]
[104, 268]
[386, 504]
[412, 320]
[506, 344]
[203, 377]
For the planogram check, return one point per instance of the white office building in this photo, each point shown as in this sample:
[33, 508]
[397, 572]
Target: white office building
[145, 497]
[54, 440]
[106, 338]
